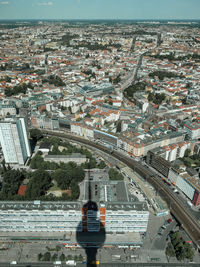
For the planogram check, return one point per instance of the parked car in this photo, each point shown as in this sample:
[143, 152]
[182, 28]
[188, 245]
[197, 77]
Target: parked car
[170, 220]
[160, 232]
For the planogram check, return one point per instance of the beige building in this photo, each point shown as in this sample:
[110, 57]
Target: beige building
[75, 157]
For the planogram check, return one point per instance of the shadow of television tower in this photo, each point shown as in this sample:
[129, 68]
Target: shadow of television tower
[90, 233]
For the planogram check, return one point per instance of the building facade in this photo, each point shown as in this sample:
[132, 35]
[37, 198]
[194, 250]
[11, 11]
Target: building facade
[14, 141]
[72, 217]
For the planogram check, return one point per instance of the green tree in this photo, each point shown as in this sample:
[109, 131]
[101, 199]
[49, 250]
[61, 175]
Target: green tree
[80, 258]
[12, 179]
[175, 238]
[189, 252]
[187, 153]
[180, 252]
[115, 175]
[40, 256]
[129, 92]
[36, 134]
[88, 115]
[46, 256]
[170, 250]
[38, 185]
[36, 161]
[69, 257]
[75, 191]
[58, 248]
[54, 257]
[119, 126]
[62, 257]
[101, 165]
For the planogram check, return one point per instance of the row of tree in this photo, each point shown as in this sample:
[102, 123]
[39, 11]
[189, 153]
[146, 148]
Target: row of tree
[48, 257]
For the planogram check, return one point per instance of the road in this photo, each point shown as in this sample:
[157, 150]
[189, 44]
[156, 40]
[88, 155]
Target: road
[131, 80]
[153, 264]
[177, 208]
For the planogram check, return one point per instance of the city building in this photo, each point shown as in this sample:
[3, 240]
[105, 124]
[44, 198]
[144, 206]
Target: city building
[14, 140]
[193, 129]
[160, 164]
[94, 90]
[75, 157]
[111, 210]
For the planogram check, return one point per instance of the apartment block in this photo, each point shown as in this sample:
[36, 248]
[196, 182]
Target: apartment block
[14, 140]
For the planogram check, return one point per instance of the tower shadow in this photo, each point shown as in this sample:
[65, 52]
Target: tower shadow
[90, 233]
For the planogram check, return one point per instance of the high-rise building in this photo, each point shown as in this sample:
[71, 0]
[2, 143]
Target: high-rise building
[14, 140]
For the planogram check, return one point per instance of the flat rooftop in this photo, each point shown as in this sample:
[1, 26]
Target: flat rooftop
[71, 156]
[108, 191]
[38, 205]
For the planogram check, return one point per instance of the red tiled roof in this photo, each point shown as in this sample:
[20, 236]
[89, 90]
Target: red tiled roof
[21, 190]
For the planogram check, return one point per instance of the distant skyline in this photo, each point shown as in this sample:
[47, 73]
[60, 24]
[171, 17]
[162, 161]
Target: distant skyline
[100, 9]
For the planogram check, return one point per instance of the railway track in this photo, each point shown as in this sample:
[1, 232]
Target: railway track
[189, 223]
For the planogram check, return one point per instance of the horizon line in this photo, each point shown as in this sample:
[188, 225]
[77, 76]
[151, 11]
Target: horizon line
[82, 19]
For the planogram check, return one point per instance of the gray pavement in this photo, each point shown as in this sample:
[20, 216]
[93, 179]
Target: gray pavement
[153, 264]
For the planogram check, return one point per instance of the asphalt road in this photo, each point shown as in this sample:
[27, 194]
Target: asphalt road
[153, 264]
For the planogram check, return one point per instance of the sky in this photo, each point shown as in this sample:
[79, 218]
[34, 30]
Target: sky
[100, 9]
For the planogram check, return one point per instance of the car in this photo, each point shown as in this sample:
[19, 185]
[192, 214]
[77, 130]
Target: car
[165, 224]
[155, 259]
[170, 220]
[160, 232]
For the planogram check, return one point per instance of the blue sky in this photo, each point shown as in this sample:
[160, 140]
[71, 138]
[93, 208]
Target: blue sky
[99, 9]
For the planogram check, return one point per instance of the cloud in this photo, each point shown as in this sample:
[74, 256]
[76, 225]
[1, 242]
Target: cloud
[45, 4]
[4, 3]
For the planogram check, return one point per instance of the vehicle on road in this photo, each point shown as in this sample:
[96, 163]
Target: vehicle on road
[166, 223]
[155, 259]
[96, 262]
[189, 203]
[160, 232]
[71, 263]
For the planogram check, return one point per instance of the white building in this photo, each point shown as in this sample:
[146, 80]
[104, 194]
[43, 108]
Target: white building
[14, 141]
[75, 157]
[40, 217]
[193, 130]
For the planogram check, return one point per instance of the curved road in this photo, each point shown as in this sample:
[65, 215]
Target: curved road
[177, 208]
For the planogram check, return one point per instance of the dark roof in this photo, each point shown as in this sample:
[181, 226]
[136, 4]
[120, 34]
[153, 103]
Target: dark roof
[44, 145]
